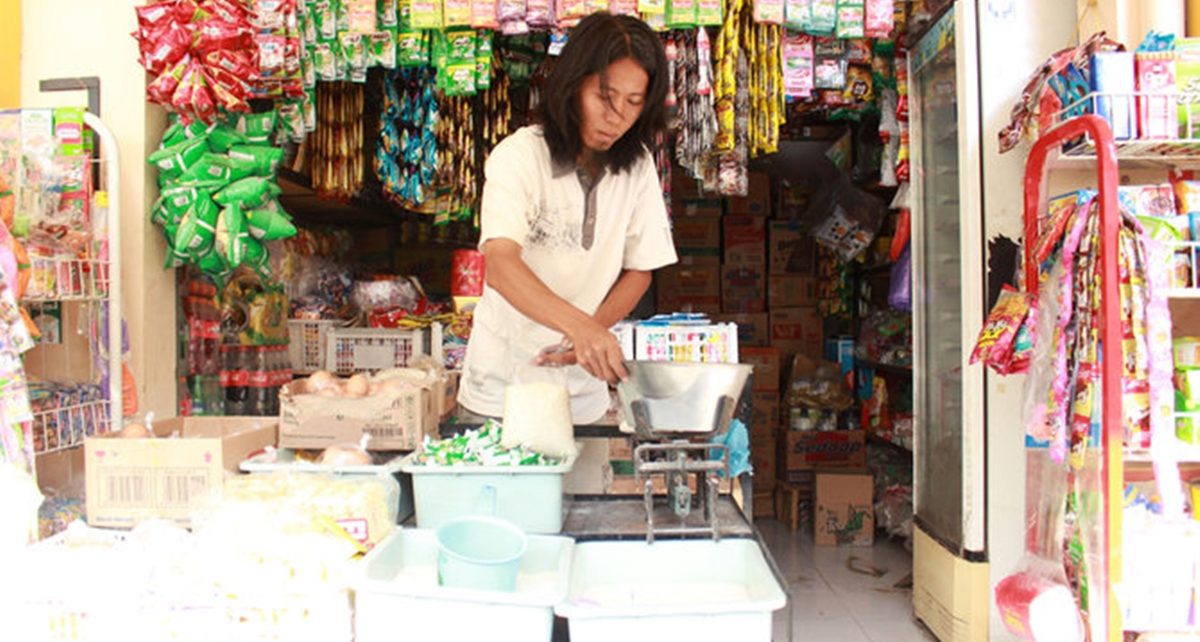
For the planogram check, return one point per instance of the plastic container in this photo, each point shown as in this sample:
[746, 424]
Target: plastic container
[398, 596]
[1187, 352]
[531, 497]
[284, 460]
[695, 590]
[351, 350]
[477, 552]
[306, 343]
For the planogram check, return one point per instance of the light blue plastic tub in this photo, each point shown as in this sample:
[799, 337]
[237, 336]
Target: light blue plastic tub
[479, 552]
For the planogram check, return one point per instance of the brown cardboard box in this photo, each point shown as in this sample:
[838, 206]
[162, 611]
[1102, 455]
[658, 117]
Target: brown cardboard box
[845, 509]
[683, 186]
[697, 235]
[131, 480]
[745, 241]
[395, 420]
[757, 201]
[753, 329]
[763, 459]
[449, 393]
[791, 291]
[743, 288]
[789, 251]
[764, 417]
[698, 207]
[620, 448]
[694, 283]
[805, 450]
[766, 367]
[797, 331]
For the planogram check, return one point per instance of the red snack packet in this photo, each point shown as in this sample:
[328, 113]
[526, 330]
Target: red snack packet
[232, 97]
[189, 11]
[215, 34]
[227, 10]
[272, 53]
[152, 17]
[163, 87]
[237, 63]
[203, 104]
[181, 98]
[271, 15]
[995, 343]
[164, 47]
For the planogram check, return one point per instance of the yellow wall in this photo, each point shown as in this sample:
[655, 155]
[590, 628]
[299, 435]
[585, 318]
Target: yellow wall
[10, 54]
[69, 38]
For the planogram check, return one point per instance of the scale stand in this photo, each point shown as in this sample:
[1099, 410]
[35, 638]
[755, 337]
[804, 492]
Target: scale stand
[679, 459]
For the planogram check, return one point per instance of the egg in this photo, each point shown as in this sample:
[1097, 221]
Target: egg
[357, 386]
[135, 431]
[345, 455]
[394, 386]
[320, 380]
[330, 392]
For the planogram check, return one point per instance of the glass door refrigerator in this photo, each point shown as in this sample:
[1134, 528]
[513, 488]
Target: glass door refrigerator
[950, 575]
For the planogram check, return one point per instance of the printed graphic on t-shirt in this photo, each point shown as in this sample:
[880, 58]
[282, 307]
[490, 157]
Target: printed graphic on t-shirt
[552, 229]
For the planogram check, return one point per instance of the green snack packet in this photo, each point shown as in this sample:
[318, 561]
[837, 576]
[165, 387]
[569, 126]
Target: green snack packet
[354, 52]
[223, 137]
[197, 229]
[268, 225]
[173, 259]
[211, 167]
[258, 128]
[213, 264]
[248, 192]
[460, 46]
[174, 135]
[264, 160]
[173, 161]
[177, 200]
[234, 224]
[412, 49]
[459, 79]
[158, 212]
[382, 49]
[325, 62]
[324, 14]
[483, 60]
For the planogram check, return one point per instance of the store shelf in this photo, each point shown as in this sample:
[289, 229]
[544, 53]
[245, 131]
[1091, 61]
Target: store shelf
[54, 279]
[1158, 153]
[1184, 454]
[886, 368]
[1183, 293]
[67, 427]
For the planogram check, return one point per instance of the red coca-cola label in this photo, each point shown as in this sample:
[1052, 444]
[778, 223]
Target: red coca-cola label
[259, 379]
[225, 376]
[239, 378]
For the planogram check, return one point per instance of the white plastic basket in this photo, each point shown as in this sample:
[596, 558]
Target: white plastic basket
[306, 343]
[351, 350]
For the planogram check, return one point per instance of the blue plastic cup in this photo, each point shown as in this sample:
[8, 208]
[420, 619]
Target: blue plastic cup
[480, 552]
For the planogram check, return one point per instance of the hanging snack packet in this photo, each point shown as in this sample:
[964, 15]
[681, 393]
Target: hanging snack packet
[382, 50]
[768, 11]
[797, 14]
[161, 89]
[173, 161]
[483, 60]
[247, 193]
[995, 343]
[269, 225]
[708, 13]
[851, 19]
[197, 229]
[325, 62]
[540, 13]
[426, 14]
[681, 14]
[258, 128]
[389, 17]
[354, 54]
[412, 49]
[484, 14]
[797, 65]
[456, 13]
[567, 10]
[880, 18]
[324, 16]
[223, 137]
[263, 159]
[824, 17]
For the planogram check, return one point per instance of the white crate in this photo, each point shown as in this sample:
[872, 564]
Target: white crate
[306, 343]
[529, 496]
[400, 584]
[351, 350]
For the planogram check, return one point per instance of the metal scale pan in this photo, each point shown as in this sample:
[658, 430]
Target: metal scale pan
[676, 409]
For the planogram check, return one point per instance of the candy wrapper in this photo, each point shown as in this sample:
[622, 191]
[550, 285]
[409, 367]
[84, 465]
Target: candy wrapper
[995, 345]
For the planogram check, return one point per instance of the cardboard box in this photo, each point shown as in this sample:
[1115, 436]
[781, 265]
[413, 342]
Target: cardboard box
[805, 450]
[757, 201]
[692, 284]
[752, 329]
[798, 331]
[743, 288]
[845, 509]
[395, 420]
[791, 291]
[766, 367]
[763, 459]
[745, 241]
[131, 480]
[683, 186]
[697, 207]
[764, 417]
[789, 251]
[697, 235]
[620, 448]
[448, 395]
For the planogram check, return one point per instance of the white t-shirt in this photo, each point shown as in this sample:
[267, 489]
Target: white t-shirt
[542, 206]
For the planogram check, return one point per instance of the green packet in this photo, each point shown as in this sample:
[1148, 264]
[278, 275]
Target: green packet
[480, 447]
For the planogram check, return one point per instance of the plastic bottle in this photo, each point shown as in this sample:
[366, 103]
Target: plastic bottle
[234, 376]
[257, 386]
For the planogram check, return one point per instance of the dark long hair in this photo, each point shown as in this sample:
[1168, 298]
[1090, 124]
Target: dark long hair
[598, 41]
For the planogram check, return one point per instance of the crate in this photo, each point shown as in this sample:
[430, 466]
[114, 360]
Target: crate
[351, 350]
[306, 343]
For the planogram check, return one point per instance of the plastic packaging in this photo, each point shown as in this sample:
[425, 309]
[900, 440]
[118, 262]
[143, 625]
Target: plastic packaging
[900, 287]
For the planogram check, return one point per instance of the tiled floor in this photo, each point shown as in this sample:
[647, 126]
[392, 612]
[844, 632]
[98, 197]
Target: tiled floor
[832, 602]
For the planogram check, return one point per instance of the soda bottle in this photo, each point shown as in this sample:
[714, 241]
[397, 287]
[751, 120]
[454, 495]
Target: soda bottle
[257, 385]
[235, 392]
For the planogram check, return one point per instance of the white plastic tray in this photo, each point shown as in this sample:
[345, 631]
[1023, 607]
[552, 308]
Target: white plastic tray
[399, 589]
[284, 460]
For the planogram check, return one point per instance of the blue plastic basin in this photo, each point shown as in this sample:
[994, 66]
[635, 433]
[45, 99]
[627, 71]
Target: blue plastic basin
[479, 552]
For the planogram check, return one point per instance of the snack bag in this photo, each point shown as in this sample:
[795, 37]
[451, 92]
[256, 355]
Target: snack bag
[996, 340]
